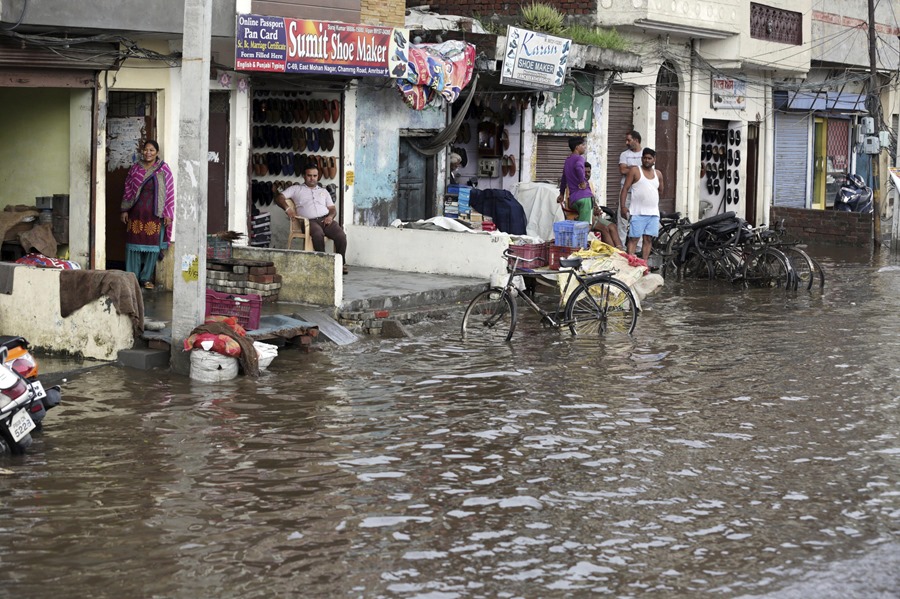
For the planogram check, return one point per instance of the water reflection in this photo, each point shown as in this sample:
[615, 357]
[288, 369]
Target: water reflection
[740, 442]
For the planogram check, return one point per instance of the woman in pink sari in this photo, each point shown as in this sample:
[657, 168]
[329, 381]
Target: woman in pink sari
[148, 206]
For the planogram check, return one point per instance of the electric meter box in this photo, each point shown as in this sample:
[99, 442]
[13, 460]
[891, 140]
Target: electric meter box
[488, 167]
[872, 145]
[885, 138]
[868, 125]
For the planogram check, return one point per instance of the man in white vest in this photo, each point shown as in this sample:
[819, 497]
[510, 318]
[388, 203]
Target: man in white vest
[645, 184]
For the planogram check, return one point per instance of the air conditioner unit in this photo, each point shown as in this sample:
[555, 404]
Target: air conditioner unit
[872, 145]
[868, 125]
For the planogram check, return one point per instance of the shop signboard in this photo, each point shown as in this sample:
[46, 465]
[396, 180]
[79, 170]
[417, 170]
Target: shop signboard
[284, 45]
[726, 92]
[534, 60]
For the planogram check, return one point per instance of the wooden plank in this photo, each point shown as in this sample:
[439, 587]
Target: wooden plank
[328, 327]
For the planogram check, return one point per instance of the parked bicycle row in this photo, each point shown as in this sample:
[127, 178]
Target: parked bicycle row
[725, 247]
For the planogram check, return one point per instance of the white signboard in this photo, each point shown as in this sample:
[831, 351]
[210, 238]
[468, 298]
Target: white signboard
[534, 60]
[728, 93]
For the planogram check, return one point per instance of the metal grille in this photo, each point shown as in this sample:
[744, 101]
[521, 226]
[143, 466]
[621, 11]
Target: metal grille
[125, 104]
[552, 151]
[218, 102]
[838, 143]
[775, 24]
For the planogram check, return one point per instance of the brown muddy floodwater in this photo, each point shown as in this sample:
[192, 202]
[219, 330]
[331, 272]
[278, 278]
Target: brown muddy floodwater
[742, 443]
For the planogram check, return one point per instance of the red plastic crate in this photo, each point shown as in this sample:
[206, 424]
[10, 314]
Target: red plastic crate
[559, 251]
[245, 308]
[529, 251]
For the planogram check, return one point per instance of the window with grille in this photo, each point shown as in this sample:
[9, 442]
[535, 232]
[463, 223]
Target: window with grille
[776, 24]
[125, 104]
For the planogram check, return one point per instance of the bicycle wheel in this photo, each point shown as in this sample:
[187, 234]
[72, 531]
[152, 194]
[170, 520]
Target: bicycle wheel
[728, 265]
[601, 306]
[491, 316]
[804, 269]
[670, 253]
[695, 266]
[820, 272]
[768, 267]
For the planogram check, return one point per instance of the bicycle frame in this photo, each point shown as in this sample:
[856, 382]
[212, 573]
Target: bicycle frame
[555, 319]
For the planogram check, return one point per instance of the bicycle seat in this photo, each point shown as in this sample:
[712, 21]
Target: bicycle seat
[570, 263]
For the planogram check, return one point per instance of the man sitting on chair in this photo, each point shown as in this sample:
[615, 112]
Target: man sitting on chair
[314, 203]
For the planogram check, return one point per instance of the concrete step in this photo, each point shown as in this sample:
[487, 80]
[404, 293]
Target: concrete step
[411, 299]
[144, 358]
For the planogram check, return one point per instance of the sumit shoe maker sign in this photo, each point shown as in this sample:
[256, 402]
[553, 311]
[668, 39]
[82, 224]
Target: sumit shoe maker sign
[283, 45]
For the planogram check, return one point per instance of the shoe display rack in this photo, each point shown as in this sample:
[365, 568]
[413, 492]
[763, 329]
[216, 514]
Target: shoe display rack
[720, 160]
[291, 129]
[491, 133]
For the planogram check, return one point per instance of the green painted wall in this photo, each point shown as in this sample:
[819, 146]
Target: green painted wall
[34, 155]
[567, 111]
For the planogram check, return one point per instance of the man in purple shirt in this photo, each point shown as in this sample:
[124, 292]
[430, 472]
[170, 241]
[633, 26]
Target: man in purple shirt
[580, 196]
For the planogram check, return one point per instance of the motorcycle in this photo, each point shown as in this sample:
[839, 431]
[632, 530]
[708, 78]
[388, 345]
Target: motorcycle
[22, 362]
[854, 196]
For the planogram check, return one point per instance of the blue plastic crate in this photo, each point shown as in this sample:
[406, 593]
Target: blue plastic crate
[571, 233]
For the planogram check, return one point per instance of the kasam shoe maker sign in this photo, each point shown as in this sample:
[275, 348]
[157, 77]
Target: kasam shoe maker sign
[283, 45]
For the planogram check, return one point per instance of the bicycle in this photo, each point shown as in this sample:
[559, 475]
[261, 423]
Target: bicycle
[598, 305]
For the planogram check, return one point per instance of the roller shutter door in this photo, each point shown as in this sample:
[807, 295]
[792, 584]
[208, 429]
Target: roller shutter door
[552, 151]
[791, 159]
[621, 121]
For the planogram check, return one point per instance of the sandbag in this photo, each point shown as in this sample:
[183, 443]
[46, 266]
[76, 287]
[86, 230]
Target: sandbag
[266, 352]
[212, 367]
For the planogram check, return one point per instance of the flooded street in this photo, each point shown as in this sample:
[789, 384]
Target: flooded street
[742, 443]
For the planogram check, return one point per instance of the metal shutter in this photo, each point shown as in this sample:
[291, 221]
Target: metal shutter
[621, 121]
[791, 159]
[552, 151]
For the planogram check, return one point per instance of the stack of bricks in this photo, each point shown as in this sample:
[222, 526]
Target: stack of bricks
[242, 277]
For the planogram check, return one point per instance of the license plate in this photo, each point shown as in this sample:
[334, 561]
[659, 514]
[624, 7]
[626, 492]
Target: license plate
[20, 425]
[39, 392]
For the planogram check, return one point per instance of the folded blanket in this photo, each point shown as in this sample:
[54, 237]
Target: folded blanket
[80, 287]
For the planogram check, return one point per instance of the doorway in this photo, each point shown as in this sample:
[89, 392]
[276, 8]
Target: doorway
[217, 174]
[131, 119]
[667, 134]
[819, 166]
[415, 184]
[752, 171]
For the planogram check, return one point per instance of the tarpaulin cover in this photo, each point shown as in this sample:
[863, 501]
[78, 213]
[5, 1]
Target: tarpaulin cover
[436, 70]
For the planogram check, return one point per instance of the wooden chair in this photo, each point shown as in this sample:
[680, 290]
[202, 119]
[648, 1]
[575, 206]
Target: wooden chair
[299, 230]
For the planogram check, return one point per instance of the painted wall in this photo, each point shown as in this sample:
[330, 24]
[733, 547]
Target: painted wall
[439, 252]
[94, 331]
[307, 277]
[34, 161]
[380, 115]
[840, 31]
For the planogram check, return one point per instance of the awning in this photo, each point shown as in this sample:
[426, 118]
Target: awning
[822, 101]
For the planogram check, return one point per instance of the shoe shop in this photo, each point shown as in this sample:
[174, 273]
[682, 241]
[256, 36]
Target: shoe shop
[720, 168]
[292, 126]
